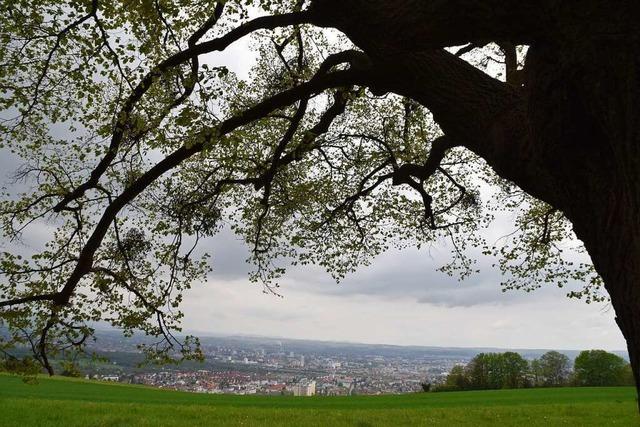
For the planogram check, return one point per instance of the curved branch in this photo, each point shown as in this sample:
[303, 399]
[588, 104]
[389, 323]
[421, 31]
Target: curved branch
[32, 298]
[85, 259]
[123, 117]
[410, 25]
[59, 38]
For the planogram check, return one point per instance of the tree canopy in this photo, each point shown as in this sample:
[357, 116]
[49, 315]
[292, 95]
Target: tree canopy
[599, 368]
[138, 141]
[552, 369]
[509, 370]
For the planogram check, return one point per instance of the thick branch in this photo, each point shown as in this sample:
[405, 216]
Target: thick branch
[85, 260]
[25, 300]
[485, 115]
[439, 149]
[410, 25]
[194, 50]
[417, 24]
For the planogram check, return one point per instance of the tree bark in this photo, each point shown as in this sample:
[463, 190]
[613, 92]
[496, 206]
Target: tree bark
[611, 234]
[584, 105]
[570, 135]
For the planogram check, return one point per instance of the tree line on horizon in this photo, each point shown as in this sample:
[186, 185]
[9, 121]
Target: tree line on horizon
[487, 371]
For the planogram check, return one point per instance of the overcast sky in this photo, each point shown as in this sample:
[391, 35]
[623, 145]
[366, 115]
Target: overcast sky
[400, 299]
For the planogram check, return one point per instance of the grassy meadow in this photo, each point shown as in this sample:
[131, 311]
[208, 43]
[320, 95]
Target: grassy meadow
[65, 402]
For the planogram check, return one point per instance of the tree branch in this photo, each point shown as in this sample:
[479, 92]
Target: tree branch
[123, 117]
[412, 25]
[85, 259]
[28, 299]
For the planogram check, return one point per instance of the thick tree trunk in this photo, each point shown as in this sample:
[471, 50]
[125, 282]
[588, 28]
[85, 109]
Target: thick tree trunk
[611, 233]
[584, 116]
[584, 111]
[569, 136]
[627, 319]
[612, 237]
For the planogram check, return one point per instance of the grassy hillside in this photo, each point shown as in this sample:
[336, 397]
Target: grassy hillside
[57, 402]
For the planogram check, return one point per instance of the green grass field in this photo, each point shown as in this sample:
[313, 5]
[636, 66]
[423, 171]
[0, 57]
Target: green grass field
[64, 402]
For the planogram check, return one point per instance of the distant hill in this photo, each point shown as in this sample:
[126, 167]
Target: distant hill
[106, 337]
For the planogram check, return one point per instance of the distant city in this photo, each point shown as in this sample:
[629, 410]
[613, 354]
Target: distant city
[271, 366]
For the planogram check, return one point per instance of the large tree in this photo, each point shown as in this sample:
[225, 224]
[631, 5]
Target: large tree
[553, 368]
[497, 370]
[599, 368]
[360, 126]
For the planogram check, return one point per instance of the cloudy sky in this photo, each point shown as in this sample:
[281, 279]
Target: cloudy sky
[400, 299]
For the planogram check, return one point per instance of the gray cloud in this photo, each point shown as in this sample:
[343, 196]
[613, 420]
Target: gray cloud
[409, 274]
[540, 321]
[9, 163]
[396, 274]
[228, 255]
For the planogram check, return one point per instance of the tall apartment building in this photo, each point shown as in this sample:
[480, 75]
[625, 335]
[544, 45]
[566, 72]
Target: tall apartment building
[304, 388]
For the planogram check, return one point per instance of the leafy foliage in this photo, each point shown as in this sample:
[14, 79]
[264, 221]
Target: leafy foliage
[137, 144]
[551, 370]
[487, 371]
[600, 368]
